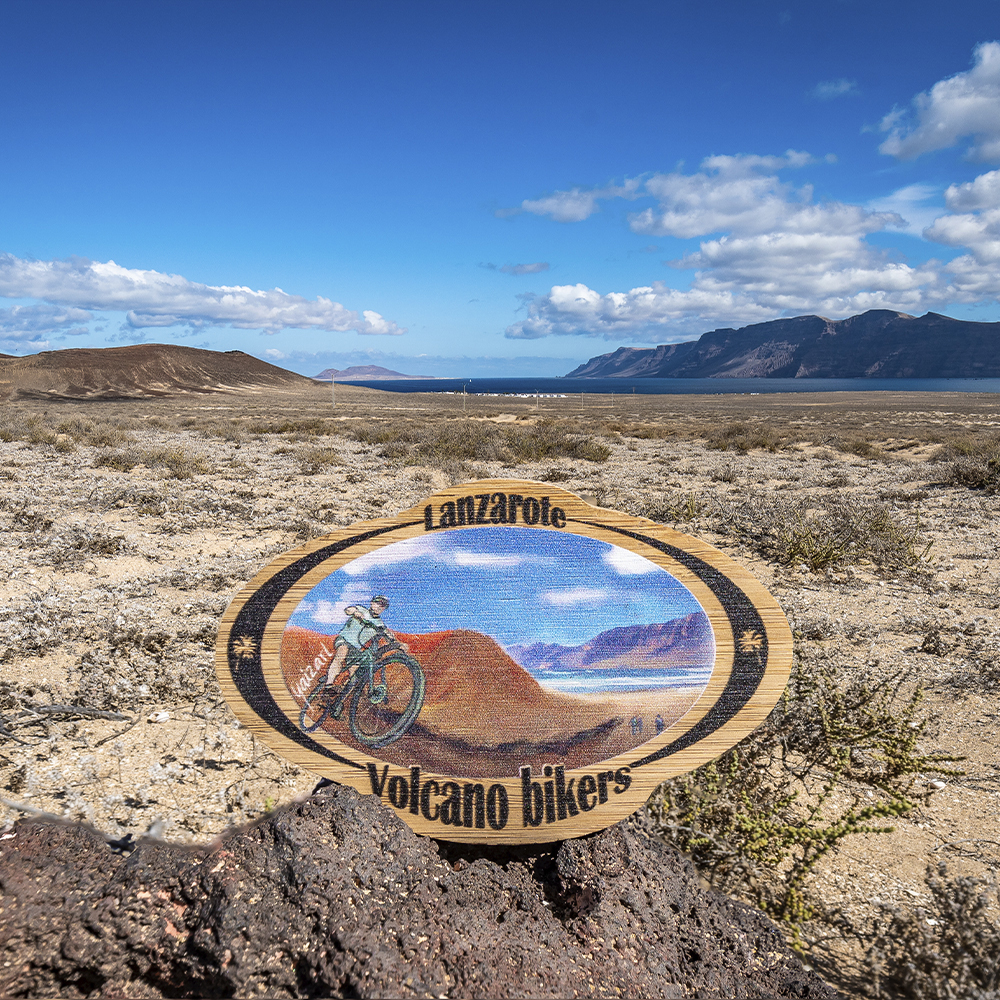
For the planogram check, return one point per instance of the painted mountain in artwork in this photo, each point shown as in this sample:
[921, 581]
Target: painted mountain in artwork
[676, 646]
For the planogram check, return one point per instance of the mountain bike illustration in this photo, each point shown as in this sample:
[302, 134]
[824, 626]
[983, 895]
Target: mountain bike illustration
[383, 696]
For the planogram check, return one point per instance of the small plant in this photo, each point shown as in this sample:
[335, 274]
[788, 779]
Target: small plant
[176, 462]
[674, 509]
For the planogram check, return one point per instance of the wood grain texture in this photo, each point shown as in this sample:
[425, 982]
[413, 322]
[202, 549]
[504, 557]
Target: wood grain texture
[456, 770]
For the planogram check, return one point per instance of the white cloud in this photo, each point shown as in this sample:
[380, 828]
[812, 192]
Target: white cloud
[579, 203]
[983, 192]
[153, 299]
[910, 204]
[779, 252]
[390, 555]
[628, 563]
[485, 560]
[974, 223]
[575, 595]
[827, 90]
[28, 326]
[653, 313]
[326, 612]
[964, 105]
[734, 194]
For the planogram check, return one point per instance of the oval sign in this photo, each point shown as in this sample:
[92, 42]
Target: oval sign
[504, 662]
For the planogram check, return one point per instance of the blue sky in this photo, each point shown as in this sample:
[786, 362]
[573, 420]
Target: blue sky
[518, 585]
[484, 189]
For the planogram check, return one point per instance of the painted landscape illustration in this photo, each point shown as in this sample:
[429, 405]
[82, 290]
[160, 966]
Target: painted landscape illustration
[480, 650]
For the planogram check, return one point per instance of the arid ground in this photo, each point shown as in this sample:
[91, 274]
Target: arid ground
[129, 526]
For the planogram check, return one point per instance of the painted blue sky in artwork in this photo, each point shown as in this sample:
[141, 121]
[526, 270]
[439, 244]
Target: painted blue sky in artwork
[518, 585]
[472, 189]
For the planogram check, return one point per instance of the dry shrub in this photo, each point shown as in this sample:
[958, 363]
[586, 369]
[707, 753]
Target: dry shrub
[945, 950]
[295, 426]
[863, 447]
[746, 435]
[974, 461]
[827, 533]
[643, 431]
[77, 544]
[454, 441]
[847, 532]
[508, 443]
[316, 460]
[175, 462]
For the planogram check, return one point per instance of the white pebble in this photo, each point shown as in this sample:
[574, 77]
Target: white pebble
[159, 717]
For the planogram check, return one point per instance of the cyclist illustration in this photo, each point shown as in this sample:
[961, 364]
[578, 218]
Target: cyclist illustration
[372, 672]
[362, 626]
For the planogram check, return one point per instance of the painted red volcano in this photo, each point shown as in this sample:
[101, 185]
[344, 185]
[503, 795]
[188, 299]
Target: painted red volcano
[484, 715]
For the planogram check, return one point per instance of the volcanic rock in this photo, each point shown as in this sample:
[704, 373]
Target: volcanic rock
[334, 896]
[137, 371]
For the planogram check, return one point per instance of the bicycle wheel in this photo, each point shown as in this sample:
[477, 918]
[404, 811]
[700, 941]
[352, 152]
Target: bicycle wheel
[315, 708]
[323, 701]
[382, 713]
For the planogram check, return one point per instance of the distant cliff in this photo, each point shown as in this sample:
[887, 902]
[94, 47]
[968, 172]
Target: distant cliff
[876, 344]
[361, 373]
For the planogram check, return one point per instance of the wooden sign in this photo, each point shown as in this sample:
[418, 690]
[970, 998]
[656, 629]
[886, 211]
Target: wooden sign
[504, 662]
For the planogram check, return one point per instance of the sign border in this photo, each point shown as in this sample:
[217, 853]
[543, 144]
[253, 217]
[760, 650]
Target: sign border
[753, 661]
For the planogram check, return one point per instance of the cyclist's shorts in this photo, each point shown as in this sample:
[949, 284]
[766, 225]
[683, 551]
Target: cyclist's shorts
[340, 641]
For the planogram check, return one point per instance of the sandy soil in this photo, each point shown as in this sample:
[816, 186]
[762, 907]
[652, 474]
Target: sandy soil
[112, 583]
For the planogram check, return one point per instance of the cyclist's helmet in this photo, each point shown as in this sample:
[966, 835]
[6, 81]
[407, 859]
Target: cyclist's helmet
[380, 599]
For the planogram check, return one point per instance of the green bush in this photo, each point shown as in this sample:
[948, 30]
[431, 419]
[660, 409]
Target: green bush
[839, 755]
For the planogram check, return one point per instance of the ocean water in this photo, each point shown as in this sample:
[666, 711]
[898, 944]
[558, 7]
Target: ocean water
[677, 386]
[620, 681]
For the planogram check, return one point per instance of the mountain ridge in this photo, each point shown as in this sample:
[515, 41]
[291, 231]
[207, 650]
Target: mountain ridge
[676, 645]
[879, 343]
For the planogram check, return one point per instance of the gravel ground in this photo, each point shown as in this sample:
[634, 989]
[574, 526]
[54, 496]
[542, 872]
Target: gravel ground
[115, 574]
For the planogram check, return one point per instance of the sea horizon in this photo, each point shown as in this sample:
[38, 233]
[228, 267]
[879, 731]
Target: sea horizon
[560, 385]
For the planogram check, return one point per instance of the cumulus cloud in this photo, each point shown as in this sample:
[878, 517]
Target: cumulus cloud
[973, 223]
[153, 299]
[627, 563]
[29, 326]
[654, 313]
[779, 251]
[827, 90]
[966, 105]
[743, 194]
